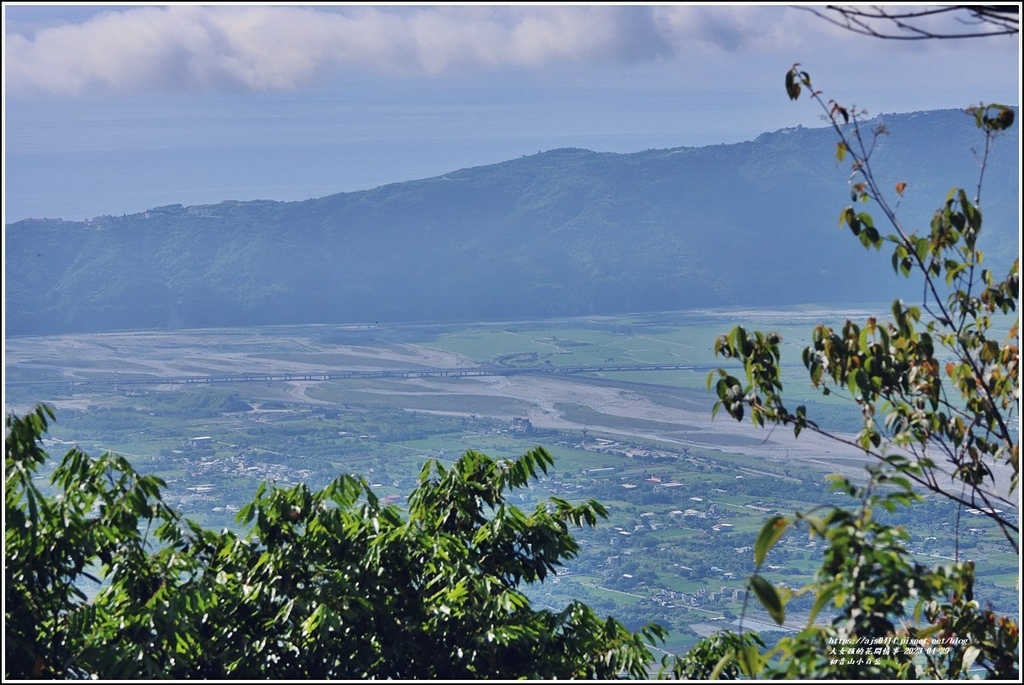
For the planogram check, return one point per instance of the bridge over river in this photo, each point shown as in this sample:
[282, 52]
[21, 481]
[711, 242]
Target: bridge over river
[342, 374]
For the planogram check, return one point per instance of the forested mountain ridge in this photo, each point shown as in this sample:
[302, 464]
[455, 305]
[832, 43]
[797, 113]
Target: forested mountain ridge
[560, 233]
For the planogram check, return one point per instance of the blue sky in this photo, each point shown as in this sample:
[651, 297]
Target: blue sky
[118, 108]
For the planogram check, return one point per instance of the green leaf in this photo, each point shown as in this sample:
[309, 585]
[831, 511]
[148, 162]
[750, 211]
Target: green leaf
[769, 598]
[771, 531]
[825, 593]
[792, 87]
[847, 217]
[749, 660]
[722, 663]
[841, 150]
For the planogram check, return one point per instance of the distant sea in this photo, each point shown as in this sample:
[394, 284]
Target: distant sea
[81, 159]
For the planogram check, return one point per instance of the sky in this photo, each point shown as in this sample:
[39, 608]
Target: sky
[118, 108]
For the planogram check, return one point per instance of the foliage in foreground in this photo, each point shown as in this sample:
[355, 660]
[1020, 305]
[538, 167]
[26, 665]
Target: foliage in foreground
[328, 584]
[938, 391]
[334, 584]
[887, 616]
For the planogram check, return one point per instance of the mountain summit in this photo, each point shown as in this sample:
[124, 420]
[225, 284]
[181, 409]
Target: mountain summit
[562, 233]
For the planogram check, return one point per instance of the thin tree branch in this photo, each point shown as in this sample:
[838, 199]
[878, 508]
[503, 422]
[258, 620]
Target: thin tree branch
[977, 21]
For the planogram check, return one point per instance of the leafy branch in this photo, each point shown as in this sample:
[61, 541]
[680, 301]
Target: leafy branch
[930, 386]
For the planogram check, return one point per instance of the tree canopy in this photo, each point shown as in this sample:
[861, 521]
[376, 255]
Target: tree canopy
[323, 584]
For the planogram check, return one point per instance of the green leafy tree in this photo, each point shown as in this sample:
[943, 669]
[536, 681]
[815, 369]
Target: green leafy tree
[937, 388]
[325, 584]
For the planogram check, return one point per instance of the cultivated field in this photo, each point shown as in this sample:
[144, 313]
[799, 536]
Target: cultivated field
[686, 494]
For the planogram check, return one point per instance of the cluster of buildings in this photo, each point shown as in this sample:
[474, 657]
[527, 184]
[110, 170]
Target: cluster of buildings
[670, 599]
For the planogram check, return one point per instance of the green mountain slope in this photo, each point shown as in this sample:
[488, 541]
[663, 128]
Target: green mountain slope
[565, 232]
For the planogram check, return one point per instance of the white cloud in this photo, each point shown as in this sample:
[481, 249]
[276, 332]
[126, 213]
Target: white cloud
[286, 47]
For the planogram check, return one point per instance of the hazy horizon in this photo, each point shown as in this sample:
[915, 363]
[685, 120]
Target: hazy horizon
[113, 109]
